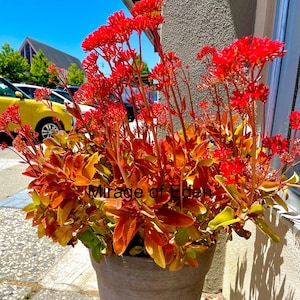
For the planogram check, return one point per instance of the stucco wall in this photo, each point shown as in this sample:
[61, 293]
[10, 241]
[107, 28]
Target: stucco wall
[260, 269]
[192, 24]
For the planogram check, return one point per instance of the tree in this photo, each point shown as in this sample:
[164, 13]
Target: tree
[38, 71]
[144, 70]
[75, 75]
[13, 66]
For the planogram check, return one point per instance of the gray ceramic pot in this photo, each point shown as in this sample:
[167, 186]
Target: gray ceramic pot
[137, 278]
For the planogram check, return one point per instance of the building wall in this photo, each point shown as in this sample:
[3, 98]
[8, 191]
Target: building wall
[260, 269]
[192, 24]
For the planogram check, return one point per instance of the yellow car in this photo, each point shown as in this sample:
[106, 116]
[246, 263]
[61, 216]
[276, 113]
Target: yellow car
[35, 113]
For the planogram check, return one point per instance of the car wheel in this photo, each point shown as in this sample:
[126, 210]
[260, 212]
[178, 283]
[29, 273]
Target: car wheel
[46, 127]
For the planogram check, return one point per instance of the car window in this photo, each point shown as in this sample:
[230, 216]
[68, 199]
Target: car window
[55, 98]
[64, 94]
[6, 90]
[27, 90]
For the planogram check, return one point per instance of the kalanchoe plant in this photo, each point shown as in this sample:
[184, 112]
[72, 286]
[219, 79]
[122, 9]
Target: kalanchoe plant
[166, 184]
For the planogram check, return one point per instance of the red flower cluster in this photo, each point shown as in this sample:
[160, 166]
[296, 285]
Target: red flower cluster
[11, 115]
[247, 52]
[295, 120]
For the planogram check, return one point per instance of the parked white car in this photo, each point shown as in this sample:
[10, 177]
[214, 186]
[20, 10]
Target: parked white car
[55, 96]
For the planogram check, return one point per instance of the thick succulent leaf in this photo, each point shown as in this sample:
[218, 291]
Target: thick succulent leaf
[89, 239]
[240, 129]
[156, 252]
[181, 237]
[231, 191]
[280, 201]
[56, 199]
[192, 262]
[64, 235]
[176, 264]
[154, 234]
[35, 203]
[124, 232]
[194, 233]
[224, 218]
[96, 252]
[269, 186]
[293, 179]
[256, 209]
[90, 170]
[206, 162]
[63, 212]
[173, 217]
[81, 181]
[269, 201]
[194, 206]
[50, 142]
[262, 225]
[199, 150]
[41, 231]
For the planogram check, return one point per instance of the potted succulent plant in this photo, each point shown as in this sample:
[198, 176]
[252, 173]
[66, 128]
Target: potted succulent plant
[165, 185]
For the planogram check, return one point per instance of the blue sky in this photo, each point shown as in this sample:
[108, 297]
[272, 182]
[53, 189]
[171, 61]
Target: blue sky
[60, 24]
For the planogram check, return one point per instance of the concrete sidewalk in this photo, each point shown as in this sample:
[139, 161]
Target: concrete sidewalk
[32, 268]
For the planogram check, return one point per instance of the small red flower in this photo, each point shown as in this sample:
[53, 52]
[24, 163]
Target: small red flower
[10, 115]
[295, 120]
[206, 50]
[276, 144]
[3, 145]
[42, 94]
[204, 105]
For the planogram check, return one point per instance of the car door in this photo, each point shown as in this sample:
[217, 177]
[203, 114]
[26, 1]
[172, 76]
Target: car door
[8, 97]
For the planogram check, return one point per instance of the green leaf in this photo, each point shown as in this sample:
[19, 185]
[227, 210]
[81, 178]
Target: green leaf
[35, 198]
[224, 218]
[88, 239]
[181, 237]
[136, 250]
[35, 202]
[29, 208]
[96, 252]
[262, 225]
[230, 190]
[256, 209]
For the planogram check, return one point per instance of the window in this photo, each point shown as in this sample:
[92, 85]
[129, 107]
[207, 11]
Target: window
[288, 84]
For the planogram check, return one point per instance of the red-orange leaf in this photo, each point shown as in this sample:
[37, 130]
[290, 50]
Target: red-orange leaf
[155, 236]
[64, 235]
[173, 217]
[156, 252]
[89, 170]
[124, 231]
[194, 206]
[56, 199]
